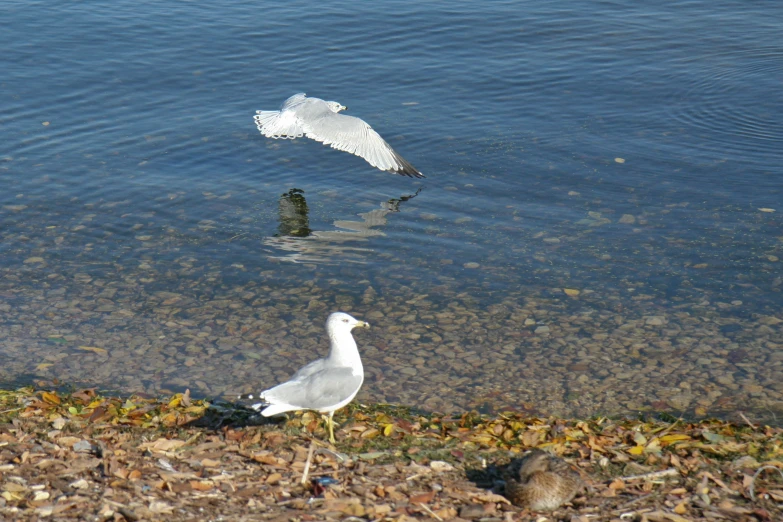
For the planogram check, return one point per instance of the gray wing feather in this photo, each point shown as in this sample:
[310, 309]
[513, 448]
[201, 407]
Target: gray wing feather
[354, 135]
[322, 389]
[294, 100]
[309, 369]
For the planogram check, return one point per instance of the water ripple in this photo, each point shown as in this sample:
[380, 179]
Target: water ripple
[735, 100]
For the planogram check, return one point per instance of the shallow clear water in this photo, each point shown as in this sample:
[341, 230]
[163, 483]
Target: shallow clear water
[631, 154]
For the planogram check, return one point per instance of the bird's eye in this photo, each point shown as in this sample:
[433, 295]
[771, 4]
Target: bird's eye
[345, 320]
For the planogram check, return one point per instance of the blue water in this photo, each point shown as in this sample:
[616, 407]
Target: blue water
[532, 121]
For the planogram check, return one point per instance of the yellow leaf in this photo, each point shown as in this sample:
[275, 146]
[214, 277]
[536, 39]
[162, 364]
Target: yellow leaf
[175, 401]
[11, 496]
[636, 450]
[388, 430]
[95, 349]
[674, 437]
[483, 439]
[43, 366]
[370, 434]
[51, 398]
[571, 291]
[94, 404]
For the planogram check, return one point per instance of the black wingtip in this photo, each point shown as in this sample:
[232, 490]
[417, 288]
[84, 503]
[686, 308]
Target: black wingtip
[406, 169]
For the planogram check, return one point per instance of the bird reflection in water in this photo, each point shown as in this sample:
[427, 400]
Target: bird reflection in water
[304, 245]
[294, 219]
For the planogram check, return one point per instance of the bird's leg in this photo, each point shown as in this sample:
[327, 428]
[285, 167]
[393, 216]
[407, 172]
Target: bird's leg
[331, 427]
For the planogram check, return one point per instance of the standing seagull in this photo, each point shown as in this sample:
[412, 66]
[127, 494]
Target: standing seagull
[324, 385]
[318, 119]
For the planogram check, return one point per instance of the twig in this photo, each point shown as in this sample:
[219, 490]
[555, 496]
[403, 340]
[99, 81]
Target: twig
[666, 430]
[307, 463]
[753, 481]
[671, 472]
[339, 456]
[428, 510]
[747, 420]
[635, 514]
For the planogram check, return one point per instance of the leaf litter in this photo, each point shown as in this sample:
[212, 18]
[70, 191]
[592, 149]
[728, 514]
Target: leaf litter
[83, 455]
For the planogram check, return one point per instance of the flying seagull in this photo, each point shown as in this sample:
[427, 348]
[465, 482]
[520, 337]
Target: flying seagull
[324, 385]
[318, 119]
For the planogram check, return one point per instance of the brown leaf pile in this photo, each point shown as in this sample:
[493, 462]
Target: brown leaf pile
[83, 456]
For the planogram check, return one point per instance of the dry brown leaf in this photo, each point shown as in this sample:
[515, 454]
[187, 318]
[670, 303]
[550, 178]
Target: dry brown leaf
[201, 485]
[163, 445]
[491, 497]
[530, 438]
[51, 398]
[422, 498]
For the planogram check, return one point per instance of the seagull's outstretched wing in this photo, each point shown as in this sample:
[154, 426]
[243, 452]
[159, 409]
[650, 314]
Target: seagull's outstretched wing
[353, 135]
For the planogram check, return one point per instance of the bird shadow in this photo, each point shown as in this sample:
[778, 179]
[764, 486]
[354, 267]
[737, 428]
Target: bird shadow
[222, 414]
[487, 477]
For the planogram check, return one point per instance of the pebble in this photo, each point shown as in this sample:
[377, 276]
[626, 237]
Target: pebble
[82, 446]
[472, 511]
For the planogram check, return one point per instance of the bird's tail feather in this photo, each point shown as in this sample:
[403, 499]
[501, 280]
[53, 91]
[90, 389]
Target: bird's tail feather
[249, 397]
[275, 124]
